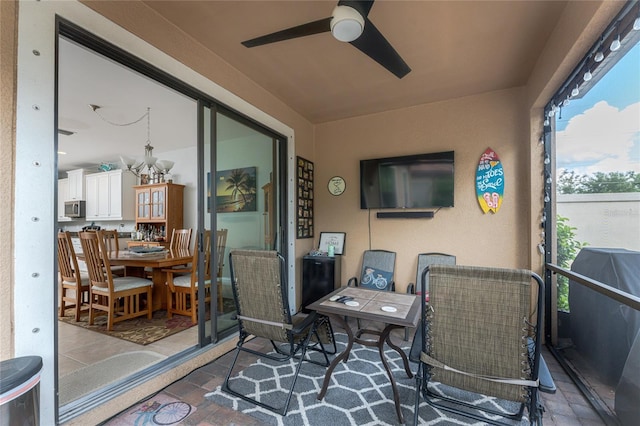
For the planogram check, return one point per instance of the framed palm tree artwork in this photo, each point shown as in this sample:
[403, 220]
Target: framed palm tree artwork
[236, 190]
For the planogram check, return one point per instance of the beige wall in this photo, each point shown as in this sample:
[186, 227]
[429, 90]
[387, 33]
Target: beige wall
[8, 40]
[467, 126]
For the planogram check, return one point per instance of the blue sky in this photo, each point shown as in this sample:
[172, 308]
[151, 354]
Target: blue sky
[601, 130]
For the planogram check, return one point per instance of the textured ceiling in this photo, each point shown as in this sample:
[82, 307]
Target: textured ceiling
[455, 49]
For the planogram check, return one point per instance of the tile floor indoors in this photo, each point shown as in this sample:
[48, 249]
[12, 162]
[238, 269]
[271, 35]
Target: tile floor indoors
[567, 407]
[82, 348]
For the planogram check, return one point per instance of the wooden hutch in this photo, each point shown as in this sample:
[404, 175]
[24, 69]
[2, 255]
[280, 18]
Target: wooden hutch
[159, 207]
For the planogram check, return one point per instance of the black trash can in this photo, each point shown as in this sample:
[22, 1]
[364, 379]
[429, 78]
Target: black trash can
[20, 391]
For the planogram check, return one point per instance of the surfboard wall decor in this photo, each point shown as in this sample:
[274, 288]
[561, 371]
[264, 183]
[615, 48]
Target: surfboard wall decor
[490, 182]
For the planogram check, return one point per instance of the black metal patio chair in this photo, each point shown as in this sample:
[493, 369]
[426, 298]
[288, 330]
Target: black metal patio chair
[258, 280]
[419, 288]
[481, 334]
[377, 273]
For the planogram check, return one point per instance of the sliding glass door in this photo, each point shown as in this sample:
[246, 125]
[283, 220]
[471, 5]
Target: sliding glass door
[233, 175]
[241, 184]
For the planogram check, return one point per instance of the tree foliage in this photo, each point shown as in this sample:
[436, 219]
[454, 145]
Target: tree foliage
[569, 182]
[567, 250]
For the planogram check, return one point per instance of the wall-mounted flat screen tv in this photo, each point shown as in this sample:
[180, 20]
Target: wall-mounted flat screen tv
[407, 182]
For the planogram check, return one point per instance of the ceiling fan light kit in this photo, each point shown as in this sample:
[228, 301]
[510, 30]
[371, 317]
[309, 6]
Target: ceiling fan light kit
[346, 23]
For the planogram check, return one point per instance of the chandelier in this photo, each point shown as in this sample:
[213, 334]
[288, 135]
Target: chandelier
[150, 169]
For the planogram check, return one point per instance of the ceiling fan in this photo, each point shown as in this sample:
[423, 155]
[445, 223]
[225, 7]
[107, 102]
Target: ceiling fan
[348, 23]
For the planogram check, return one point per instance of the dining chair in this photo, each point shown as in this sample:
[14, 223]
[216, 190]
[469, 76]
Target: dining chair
[73, 283]
[260, 292]
[419, 288]
[221, 245]
[482, 335]
[111, 243]
[121, 298]
[182, 283]
[180, 240]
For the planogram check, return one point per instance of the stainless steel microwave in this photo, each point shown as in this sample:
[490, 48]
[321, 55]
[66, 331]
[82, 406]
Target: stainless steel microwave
[74, 208]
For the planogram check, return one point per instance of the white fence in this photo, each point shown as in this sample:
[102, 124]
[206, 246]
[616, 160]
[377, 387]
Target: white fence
[603, 220]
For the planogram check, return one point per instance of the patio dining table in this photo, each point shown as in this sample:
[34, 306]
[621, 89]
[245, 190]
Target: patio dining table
[395, 310]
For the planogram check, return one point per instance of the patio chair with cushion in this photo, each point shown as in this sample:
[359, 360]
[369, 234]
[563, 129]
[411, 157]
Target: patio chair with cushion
[377, 273]
[424, 260]
[481, 335]
[260, 291]
[378, 268]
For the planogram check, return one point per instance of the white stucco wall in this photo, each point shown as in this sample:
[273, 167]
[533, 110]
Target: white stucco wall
[603, 220]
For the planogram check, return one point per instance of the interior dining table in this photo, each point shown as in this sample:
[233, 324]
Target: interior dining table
[135, 265]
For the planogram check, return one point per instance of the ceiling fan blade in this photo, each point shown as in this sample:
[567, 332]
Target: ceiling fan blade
[310, 28]
[362, 6]
[373, 44]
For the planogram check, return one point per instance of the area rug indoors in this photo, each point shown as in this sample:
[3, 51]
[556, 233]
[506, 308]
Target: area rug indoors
[160, 409]
[137, 330]
[359, 393]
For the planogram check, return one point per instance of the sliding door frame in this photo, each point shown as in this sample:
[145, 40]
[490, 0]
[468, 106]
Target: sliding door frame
[80, 36]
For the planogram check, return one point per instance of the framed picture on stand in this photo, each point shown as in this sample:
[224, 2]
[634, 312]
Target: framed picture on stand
[335, 239]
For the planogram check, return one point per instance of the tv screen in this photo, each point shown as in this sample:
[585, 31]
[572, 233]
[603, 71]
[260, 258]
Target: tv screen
[408, 182]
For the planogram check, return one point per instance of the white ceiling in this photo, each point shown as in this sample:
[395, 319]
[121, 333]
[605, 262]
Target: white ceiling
[455, 49]
[123, 95]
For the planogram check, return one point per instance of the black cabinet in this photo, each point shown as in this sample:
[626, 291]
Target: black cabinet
[320, 276]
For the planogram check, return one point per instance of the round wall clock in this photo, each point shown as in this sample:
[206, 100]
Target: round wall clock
[336, 185]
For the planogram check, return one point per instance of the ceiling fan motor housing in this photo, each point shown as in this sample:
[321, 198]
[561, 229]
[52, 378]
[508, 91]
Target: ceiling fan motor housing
[346, 23]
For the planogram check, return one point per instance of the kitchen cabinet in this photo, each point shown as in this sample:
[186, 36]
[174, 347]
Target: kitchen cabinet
[76, 185]
[63, 195]
[110, 196]
[159, 208]
[320, 276]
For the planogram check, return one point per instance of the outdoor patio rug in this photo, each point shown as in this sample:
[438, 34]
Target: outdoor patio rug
[160, 409]
[359, 393]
